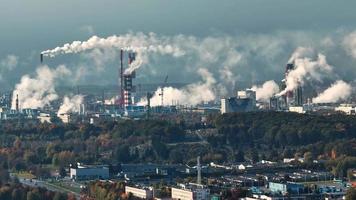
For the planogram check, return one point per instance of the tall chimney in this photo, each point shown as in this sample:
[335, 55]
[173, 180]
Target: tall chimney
[199, 171]
[121, 99]
[17, 102]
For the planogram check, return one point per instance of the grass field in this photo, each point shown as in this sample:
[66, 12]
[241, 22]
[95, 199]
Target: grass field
[25, 175]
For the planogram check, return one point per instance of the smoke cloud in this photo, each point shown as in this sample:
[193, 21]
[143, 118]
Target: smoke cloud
[38, 91]
[301, 52]
[139, 43]
[8, 64]
[349, 44]
[70, 104]
[231, 59]
[266, 91]
[306, 69]
[338, 91]
[192, 94]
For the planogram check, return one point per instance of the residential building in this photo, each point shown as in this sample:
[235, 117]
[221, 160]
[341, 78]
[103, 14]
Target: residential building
[190, 192]
[143, 193]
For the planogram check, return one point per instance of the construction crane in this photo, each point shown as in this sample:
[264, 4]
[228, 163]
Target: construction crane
[162, 89]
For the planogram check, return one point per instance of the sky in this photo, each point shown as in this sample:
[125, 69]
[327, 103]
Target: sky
[263, 33]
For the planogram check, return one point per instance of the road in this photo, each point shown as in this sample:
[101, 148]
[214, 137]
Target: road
[48, 186]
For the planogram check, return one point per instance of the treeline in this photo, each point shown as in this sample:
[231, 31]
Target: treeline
[33, 146]
[279, 129]
[40, 148]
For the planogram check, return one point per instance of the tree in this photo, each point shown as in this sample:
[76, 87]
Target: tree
[240, 156]
[253, 155]
[62, 172]
[59, 196]
[351, 194]
[123, 153]
[31, 195]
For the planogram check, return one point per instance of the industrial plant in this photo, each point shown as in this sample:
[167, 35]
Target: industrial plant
[127, 103]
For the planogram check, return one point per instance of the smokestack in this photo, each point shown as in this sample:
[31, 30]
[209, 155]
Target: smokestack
[121, 77]
[198, 170]
[41, 58]
[132, 57]
[17, 102]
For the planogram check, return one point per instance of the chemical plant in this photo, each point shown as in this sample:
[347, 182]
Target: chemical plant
[125, 103]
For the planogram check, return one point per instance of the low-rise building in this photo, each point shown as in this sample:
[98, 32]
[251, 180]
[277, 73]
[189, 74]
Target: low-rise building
[297, 109]
[83, 172]
[284, 188]
[65, 117]
[143, 193]
[44, 117]
[245, 101]
[348, 109]
[190, 192]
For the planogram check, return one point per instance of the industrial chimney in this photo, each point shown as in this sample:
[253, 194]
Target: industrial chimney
[199, 171]
[17, 102]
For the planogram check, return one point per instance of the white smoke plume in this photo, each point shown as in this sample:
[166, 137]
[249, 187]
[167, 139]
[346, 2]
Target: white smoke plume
[136, 64]
[266, 91]
[339, 91]
[38, 91]
[231, 58]
[70, 104]
[139, 43]
[7, 64]
[301, 52]
[349, 44]
[192, 94]
[306, 69]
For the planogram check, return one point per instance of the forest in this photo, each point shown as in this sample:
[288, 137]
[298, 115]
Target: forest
[230, 138]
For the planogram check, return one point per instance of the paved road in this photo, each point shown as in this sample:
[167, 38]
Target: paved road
[48, 186]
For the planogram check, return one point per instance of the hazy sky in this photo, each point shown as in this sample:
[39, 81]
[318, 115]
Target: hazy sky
[30, 26]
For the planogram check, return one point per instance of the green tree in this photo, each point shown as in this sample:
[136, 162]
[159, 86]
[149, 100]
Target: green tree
[31, 195]
[351, 194]
[59, 196]
[122, 153]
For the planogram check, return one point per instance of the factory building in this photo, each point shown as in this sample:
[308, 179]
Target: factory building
[126, 80]
[128, 89]
[298, 96]
[292, 97]
[84, 172]
[286, 188]
[44, 118]
[244, 102]
[349, 109]
[190, 192]
[65, 117]
[297, 109]
[143, 193]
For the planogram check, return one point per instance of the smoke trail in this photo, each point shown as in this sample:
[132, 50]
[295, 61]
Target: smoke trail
[139, 43]
[266, 91]
[39, 91]
[139, 60]
[336, 92]
[70, 104]
[192, 94]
